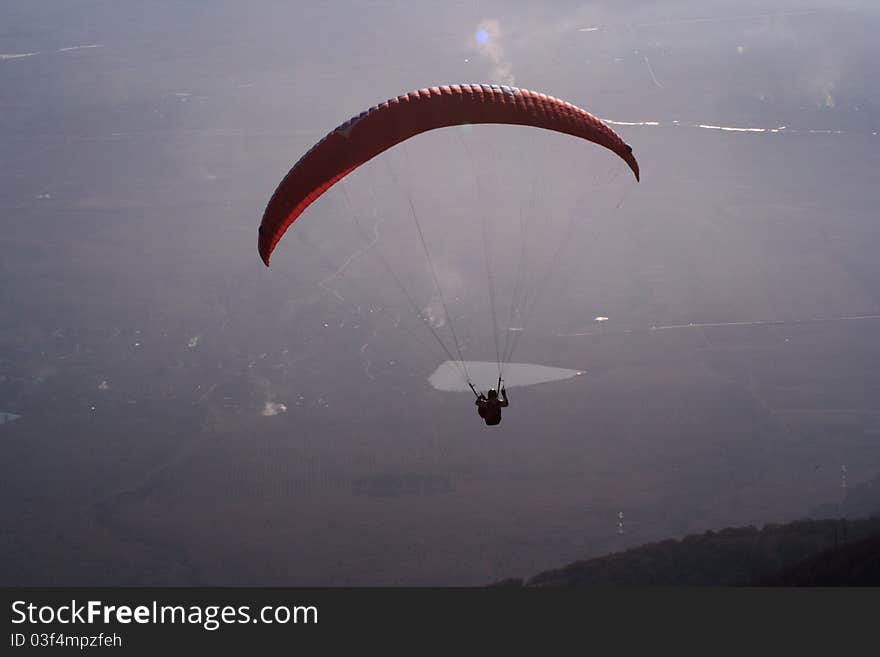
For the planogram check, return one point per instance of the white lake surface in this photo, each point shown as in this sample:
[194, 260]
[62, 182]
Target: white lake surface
[448, 376]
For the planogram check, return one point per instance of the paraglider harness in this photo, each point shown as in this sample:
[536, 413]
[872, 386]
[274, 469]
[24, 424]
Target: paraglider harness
[490, 409]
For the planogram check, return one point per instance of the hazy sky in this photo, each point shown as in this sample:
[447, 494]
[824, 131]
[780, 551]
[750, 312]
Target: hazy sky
[187, 416]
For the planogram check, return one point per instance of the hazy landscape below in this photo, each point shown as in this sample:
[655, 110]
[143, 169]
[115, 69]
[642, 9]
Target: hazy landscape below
[183, 415]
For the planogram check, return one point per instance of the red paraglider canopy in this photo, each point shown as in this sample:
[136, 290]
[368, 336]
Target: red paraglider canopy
[379, 128]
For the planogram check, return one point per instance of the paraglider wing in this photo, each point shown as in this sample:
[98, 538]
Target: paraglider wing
[379, 128]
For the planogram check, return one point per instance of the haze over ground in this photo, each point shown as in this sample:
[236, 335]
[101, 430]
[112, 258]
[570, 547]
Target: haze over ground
[189, 417]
